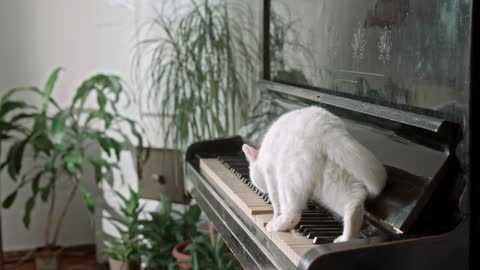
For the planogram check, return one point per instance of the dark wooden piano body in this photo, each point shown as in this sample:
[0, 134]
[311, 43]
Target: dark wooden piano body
[421, 220]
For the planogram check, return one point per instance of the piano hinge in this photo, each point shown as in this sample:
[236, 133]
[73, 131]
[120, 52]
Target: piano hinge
[383, 224]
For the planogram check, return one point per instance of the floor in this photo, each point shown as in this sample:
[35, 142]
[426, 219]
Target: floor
[71, 261]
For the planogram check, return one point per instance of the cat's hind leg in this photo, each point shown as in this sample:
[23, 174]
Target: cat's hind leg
[352, 221]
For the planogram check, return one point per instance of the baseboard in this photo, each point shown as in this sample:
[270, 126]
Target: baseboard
[13, 256]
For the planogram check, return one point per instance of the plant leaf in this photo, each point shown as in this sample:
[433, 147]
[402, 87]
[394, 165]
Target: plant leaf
[58, 130]
[47, 93]
[9, 106]
[28, 210]
[6, 126]
[45, 192]
[9, 200]
[192, 215]
[15, 157]
[87, 197]
[36, 183]
[105, 143]
[117, 147]
[98, 164]
[72, 160]
[101, 101]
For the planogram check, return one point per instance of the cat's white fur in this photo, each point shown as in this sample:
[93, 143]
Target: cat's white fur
[308, 154]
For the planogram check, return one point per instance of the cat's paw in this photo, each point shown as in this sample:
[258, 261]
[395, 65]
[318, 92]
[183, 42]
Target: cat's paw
[341, 238]
[275, 225]
[283, 223]
[270, 226]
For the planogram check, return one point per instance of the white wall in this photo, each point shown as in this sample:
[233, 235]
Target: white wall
[84, 37]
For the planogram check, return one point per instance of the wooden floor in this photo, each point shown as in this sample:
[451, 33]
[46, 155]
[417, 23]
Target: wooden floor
[71, 261]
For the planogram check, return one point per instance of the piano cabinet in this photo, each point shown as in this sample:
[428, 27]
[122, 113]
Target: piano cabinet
[254, 250]
[444, 251]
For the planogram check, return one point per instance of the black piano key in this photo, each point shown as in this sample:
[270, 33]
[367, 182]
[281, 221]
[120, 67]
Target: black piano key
[313, 211]
[321, 232]
[233, 158]
[332, 235]
[323, 240]
[303, 225]
[316, 215]
[318, 220]
[305, 228]
[310, 223]
[242, 171]
[246, 178]
[321, 224]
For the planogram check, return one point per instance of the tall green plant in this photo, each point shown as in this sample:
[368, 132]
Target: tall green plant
[200, 71]
[61, 141]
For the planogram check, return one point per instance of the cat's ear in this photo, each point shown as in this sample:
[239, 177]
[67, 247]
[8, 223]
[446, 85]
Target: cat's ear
[250, 152]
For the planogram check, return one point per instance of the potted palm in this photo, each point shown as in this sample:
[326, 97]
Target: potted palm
[59, 142]
[124, 250]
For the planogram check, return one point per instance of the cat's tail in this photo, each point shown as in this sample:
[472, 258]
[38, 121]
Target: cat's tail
[353, 157]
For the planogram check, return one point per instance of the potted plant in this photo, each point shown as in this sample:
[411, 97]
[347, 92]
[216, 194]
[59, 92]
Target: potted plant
[166, 228]
[124, 250]
[60, 141]
[199, 253]
[200, 70]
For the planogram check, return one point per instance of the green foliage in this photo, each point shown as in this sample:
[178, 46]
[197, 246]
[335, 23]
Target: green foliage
[206, 256]
[61, 139]
[126, 246]
[200, 72]
[165, 229]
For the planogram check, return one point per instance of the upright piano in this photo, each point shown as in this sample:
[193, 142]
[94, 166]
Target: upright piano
[398, 72]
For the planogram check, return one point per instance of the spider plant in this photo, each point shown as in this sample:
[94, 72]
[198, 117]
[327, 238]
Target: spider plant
[200, 71]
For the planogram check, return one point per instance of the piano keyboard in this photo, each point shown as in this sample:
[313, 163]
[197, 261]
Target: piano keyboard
[317, 225]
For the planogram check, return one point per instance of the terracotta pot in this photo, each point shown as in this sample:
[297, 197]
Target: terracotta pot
[123, 265]
[181, 257]
[48, 258]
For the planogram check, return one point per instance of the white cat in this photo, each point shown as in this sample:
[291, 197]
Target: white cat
[308, 154]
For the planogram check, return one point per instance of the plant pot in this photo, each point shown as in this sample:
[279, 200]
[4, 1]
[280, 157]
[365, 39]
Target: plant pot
[48, 258]
[181, 257]
[123, 265]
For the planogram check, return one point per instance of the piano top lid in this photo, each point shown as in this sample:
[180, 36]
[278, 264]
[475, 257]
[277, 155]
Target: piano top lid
[414, 148]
